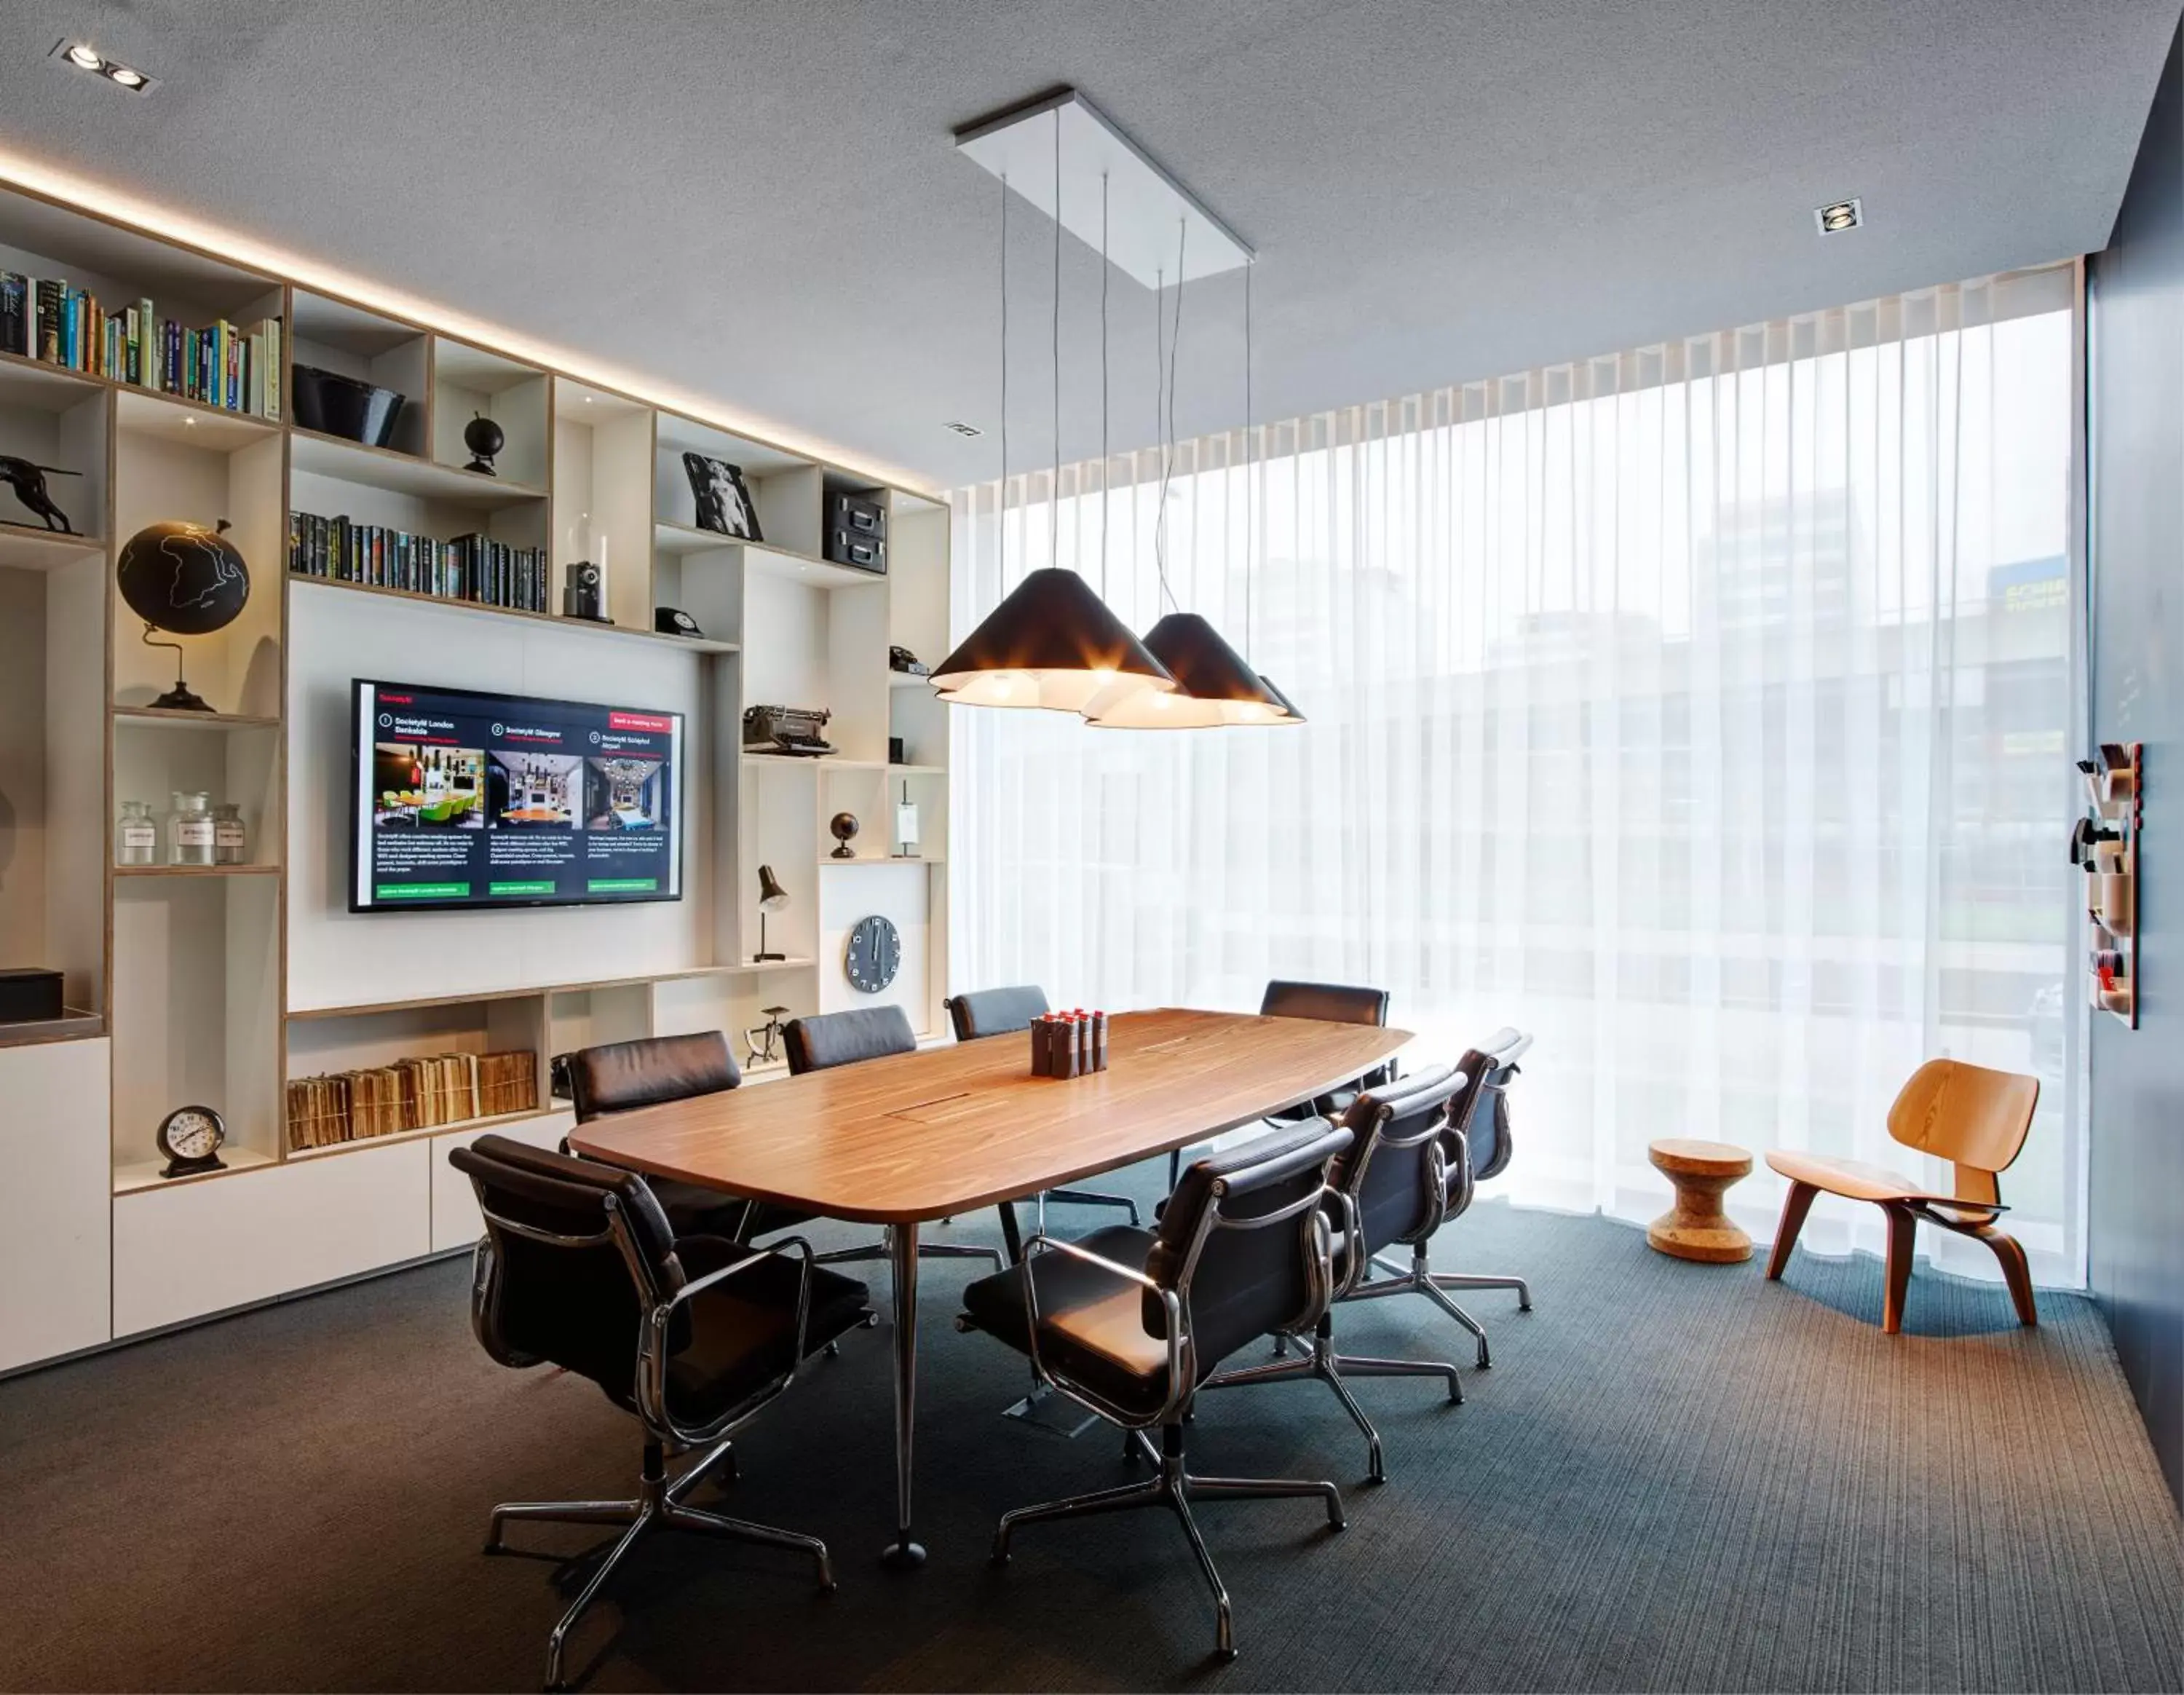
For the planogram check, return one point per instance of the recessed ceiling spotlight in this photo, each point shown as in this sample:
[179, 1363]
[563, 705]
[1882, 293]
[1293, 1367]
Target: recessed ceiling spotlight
[1842, 215]
[962, 428]
[82, 56]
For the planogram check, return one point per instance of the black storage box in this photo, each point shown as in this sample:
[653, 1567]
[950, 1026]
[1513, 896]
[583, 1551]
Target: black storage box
[28, 993]
[857, 515]
[847, 547]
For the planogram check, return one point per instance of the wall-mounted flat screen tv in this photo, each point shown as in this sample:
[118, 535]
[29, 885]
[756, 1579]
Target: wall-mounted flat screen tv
[469, 800]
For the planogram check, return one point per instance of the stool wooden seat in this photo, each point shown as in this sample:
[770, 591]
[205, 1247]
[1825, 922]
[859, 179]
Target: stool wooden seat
[1696, 1227]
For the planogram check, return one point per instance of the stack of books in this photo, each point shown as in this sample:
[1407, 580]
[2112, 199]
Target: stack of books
[470, 567]
[409, 1095]
[236, 370]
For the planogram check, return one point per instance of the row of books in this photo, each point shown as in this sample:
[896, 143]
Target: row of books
[469, 567]
[49, 318]
[409, 1095]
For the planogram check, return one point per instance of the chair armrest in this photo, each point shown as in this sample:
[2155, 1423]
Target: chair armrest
[653, 1359]
[1043, 1243]
[1353, 1235]
[1177, 1338]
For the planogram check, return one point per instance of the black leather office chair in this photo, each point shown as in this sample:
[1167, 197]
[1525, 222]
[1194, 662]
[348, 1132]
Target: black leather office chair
[827, 1039]
[1387, 1186]
[1478, 1148]
[620, 1077]
[1130, 1323]
[692, 1334]
[1331, 1003]
[985, 1012]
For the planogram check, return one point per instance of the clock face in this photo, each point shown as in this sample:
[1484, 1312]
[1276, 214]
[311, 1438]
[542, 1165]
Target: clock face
[191, 1133]
[875, 955]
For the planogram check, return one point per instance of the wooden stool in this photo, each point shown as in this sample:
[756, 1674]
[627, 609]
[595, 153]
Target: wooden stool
[1697, 1228]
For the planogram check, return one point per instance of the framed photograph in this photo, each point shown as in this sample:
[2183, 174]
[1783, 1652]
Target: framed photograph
[724, 504]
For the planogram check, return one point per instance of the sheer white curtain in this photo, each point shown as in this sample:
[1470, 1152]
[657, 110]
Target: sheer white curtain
[1705, 710]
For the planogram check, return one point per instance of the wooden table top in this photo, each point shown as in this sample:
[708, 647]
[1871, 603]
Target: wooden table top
[922, 1135]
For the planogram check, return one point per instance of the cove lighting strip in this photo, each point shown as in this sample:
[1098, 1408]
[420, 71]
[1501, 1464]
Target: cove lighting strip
[21, 170]
[1146, 208]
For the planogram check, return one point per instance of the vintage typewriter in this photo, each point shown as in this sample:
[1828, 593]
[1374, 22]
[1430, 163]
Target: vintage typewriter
[792, 730]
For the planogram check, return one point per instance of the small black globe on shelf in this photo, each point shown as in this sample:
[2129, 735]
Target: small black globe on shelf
[187, 580]
[844, 825]
[484, 438]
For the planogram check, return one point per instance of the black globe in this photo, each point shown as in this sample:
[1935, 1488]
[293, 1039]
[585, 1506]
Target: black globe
[483, 436]
[185, 578]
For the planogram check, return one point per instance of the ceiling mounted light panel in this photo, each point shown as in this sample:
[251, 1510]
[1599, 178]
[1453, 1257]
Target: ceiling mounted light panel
[1143, 202]
[82, 56]
[1837, 216]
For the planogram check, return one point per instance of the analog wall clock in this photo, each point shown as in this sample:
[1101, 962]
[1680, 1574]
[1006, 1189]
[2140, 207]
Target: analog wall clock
[875, 955]
[191, 1138]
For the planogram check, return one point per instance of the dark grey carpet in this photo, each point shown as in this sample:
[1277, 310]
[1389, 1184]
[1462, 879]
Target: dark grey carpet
[1675, 1477]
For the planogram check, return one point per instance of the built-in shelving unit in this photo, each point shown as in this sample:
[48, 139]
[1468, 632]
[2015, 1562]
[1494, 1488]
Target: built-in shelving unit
[217, 986]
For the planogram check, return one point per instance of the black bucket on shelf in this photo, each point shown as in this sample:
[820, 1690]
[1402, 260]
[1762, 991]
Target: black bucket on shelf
[337, 406]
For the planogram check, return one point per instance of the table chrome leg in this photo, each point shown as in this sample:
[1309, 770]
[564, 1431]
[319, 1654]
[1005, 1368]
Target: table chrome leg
[904, 1551]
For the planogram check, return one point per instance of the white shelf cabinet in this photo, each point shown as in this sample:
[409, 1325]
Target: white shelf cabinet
[194, 1249]
[54, 1254]
[225, 985]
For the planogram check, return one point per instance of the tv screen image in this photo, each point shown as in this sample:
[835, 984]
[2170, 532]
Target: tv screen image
[463, 798]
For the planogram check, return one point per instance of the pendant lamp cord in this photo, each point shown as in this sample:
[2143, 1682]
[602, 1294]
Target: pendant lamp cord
[1164, 412]
[1002, 504]
[1251, 460]
[1054, 491]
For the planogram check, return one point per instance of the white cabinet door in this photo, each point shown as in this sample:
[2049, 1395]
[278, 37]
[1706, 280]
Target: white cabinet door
[226, 1242]
[55, 1295]
[454, 1208]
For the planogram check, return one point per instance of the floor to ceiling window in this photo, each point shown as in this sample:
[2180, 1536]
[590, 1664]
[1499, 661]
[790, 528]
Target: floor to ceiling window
[1705, 710]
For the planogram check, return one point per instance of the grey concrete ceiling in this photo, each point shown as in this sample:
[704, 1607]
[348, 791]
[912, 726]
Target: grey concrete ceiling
[761, 201]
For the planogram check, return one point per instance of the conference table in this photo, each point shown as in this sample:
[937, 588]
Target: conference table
[912, 1137]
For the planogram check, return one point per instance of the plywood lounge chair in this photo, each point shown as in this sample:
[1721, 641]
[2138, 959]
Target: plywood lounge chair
[1975, 1117]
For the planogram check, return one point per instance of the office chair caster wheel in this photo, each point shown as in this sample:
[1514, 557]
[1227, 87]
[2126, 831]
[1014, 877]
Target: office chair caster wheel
[834, 1350]
[871, 1321]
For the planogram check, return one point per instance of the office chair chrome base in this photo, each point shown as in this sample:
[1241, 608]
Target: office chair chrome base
[1420, 1278]
[1175, 1488]
[659, 1506]
[1092, 1197]
[1329, 1367]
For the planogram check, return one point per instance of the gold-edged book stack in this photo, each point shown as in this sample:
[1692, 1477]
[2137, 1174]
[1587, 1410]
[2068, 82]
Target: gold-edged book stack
[409, 1095]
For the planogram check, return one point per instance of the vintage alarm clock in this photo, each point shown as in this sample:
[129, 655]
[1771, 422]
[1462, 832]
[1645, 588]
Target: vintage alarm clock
[875, 955]
[191, 1137]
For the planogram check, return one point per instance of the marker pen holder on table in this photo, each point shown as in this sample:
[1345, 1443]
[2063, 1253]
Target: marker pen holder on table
[1065, 1044]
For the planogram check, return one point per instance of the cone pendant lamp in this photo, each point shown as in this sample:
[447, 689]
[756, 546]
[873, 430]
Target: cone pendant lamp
[1214, 685]
[1051, 643]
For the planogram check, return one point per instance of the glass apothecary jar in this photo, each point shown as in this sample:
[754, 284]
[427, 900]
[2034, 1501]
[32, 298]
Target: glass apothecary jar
[230, 845]
[189, 829]
[136, 835]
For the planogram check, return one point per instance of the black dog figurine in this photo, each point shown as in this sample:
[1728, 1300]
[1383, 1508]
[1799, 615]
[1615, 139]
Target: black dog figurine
[28, 483]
